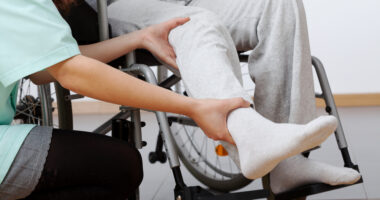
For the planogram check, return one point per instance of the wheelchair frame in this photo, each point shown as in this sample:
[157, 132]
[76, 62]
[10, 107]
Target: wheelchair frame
[181, 191]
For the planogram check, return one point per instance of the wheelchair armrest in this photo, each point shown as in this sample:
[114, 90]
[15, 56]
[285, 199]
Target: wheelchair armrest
[243, 57]
[144, 56]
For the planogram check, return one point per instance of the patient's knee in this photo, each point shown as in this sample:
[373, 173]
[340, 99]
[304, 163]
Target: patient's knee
[287, 7]
[203, 24]
[203, 19]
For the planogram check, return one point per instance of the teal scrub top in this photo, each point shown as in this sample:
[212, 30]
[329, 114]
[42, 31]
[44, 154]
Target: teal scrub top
[33, 37]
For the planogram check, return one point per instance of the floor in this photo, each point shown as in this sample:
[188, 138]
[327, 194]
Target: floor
[361, 126]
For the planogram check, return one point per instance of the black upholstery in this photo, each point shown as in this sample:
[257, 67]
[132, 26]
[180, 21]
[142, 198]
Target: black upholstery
[83, 21]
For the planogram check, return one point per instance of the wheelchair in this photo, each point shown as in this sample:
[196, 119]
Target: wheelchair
[180, 136]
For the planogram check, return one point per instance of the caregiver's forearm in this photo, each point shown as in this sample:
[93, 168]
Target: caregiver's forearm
[105, 51]
[109, 50]
[94, 79]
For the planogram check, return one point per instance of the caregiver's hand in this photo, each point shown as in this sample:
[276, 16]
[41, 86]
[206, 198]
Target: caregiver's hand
[211, 116]
[155, 40]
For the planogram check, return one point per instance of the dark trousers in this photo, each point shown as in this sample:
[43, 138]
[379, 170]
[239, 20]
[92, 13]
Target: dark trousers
[87, 166]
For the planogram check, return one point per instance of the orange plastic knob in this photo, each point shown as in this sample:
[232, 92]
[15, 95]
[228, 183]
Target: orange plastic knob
[221, 151]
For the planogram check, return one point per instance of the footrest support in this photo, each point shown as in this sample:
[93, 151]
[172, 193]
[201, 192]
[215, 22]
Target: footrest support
[198, 193]
[310, 189]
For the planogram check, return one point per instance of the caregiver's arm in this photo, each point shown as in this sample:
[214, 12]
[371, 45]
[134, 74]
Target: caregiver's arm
[104, 51]
[109, 50]
[97, 80]
[153, 38]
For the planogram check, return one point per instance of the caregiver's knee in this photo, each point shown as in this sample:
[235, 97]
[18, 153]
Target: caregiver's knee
[128, 170]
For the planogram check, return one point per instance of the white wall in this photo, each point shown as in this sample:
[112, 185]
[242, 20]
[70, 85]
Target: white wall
[345, 35]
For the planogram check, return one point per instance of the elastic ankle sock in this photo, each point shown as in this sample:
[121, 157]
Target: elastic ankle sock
[262, 144]
[298, 170]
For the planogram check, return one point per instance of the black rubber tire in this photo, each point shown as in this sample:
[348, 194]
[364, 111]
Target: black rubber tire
[63, 107]
[221, 186]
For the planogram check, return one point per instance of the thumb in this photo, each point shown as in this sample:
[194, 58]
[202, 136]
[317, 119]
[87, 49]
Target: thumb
[177, 22]
[228, 138]
[238, 102]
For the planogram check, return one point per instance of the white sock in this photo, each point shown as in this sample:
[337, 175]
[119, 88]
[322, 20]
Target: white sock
[298, 170]
[262, 144]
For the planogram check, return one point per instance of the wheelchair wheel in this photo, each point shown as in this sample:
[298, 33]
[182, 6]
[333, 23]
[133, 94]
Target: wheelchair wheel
[204, 157]
[36, 104]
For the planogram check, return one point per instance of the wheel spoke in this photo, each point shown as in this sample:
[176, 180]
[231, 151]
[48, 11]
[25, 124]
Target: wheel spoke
[29, 115]
[202, 163]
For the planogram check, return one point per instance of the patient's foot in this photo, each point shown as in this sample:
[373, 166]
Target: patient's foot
[298, 170]
[262, 144]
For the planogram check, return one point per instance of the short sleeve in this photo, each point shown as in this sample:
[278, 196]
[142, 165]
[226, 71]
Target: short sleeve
[33, 37]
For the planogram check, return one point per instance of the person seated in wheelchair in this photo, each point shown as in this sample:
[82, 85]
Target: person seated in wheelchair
[44, 163]
[279, 64]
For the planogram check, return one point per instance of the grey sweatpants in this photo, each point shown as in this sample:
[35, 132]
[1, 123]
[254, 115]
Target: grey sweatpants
[276, 31]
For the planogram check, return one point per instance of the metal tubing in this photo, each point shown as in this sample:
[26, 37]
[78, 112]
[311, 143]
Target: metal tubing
[162, 73]
[347, 159]
[169, 82]
[131, 58]
[161, 116]
[120, 129]
[136, 119]
[107, 126]
[160, 143]
[73, 97]
[103, 20]
[44, 94]
[329, 99]
[168, 139]
[178, 178]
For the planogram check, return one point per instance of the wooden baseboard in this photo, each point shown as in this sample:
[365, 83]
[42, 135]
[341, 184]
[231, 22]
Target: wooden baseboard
[92, 107]
[341, 100]
[354, 100]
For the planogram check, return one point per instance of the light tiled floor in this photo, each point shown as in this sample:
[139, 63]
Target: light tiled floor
[362, 128]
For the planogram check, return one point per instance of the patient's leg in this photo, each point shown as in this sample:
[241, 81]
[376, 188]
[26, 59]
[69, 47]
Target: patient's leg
[280, 64]
[210, 69]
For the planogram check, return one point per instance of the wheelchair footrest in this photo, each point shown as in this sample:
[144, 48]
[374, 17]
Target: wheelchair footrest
[198, 193]
[310, 189]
